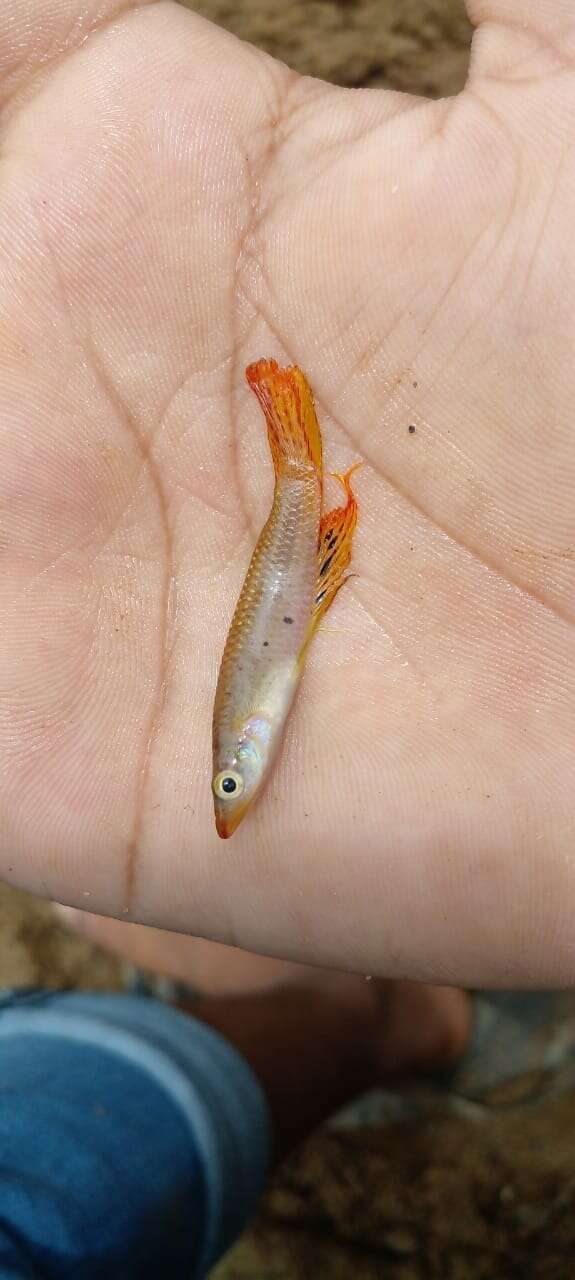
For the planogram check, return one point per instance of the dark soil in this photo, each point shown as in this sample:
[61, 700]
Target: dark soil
[484, 1197]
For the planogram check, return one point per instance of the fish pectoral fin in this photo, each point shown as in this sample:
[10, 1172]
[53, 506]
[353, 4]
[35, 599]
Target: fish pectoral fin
[336, 532]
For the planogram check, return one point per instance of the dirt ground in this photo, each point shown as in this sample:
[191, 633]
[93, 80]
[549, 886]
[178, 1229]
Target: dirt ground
[442, 1198]
[480, 1190]
[421, 46]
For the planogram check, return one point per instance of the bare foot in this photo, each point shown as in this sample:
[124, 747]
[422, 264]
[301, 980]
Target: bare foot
[208, 968]
[317, 1045]
[421, 1027]
[409, 1026]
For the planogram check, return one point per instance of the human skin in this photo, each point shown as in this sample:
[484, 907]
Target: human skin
[315, 1046]
[174, 204]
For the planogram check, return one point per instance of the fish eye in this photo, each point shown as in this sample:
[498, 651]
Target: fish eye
[228, 784]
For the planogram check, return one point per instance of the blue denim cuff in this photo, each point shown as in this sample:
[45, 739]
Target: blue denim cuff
[218, 1099]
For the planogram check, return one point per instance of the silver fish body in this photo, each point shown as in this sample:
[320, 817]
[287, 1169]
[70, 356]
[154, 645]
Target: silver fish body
[262, 661]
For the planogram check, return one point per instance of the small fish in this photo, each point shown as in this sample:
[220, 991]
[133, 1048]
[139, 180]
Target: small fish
[295, 573]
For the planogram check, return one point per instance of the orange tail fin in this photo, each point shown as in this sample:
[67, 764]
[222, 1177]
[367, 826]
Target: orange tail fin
[286, 399]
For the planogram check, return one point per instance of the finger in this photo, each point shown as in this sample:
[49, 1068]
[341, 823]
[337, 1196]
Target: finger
[36, 34]
[521, 39]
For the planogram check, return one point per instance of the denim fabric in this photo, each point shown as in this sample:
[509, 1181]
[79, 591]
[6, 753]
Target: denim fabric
[133, 1139]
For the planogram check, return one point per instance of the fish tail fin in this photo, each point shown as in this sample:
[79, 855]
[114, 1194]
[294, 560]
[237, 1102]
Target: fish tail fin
[286, 399]
[334, 548]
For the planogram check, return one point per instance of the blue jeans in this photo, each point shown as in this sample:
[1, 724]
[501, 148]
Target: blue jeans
[134, 1140]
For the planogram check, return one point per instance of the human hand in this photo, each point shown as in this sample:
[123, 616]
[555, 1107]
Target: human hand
[174, 204]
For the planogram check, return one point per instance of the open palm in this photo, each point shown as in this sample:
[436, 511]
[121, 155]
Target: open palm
[174, 204]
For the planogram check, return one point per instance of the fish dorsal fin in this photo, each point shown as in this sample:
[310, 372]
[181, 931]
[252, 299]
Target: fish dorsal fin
[286, 399]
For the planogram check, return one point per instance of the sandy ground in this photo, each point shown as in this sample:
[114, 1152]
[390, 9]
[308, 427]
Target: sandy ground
[480, 1191]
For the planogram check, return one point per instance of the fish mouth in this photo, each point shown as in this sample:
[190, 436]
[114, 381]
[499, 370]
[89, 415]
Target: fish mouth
[228, 819]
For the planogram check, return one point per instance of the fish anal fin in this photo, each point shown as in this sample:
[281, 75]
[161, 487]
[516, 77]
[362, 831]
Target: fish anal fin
[336, 532]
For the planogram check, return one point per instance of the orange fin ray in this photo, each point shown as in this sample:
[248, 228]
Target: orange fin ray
[334, 548]
[293, 429]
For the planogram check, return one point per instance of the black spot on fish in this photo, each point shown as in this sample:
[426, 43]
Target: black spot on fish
[266, 642]
[411, 429]
[325, 565]
[288, 619]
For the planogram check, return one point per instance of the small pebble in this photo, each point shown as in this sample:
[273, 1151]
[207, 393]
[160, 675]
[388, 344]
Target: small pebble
[401, 1242]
